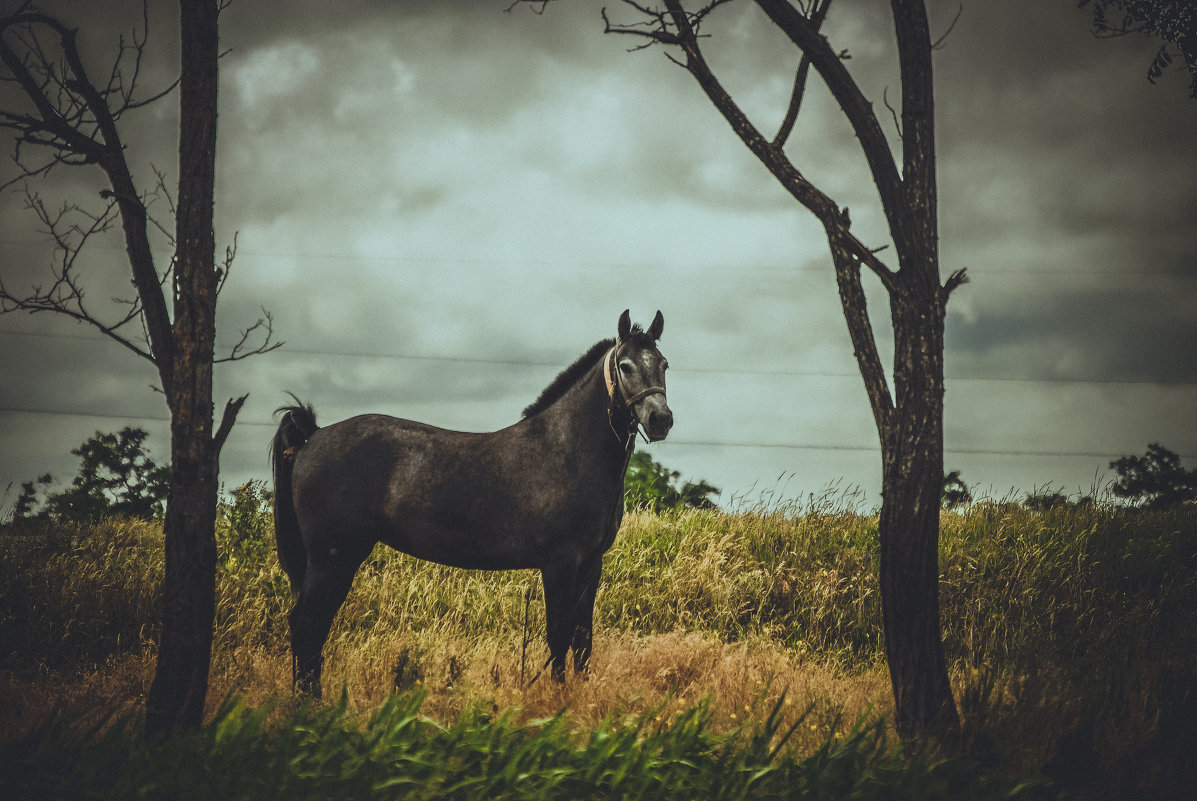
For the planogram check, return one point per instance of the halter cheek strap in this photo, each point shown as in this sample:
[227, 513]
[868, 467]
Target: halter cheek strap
[607, 377]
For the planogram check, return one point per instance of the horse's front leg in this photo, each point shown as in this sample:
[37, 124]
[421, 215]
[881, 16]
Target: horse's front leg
[583, 627]
[560, 604]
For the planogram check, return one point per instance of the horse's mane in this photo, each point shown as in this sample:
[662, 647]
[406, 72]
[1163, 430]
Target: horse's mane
[572, 374]
[568, 377]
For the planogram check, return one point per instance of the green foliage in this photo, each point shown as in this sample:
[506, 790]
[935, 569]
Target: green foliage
[1171, 21]
[325, 752]
[1045, 499]
[245, 524]
[1154, 479]
[955, 491]
[25, 504]
[652, 486]
[116, 476]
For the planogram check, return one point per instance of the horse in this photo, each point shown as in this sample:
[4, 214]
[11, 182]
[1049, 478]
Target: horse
[545, 493]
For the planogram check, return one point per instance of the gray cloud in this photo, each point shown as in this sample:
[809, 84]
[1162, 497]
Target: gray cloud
[1126, 331]
[448, 180]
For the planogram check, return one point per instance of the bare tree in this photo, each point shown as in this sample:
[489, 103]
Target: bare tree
[66, 119]
[909, 418]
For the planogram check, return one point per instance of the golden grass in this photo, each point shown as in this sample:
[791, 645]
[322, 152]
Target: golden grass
[630, 675]
[1077, 620]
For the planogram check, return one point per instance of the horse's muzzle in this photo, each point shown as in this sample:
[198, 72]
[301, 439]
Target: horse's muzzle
[656, 428]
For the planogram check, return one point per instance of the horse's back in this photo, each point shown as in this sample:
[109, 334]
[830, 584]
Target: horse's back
[343, 474]
[369, 443]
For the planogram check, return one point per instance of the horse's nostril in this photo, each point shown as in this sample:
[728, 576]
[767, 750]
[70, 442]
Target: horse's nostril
[659, 420]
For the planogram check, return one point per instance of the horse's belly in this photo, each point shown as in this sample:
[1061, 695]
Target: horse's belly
[449, 537]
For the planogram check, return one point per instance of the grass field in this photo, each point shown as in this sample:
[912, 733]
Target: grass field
[728, 646]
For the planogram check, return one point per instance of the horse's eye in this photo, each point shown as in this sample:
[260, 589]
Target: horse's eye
[625, 367]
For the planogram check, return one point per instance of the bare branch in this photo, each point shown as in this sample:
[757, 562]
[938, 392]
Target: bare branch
[128, 101]
[938, 44]
[58, 121]
[957, 279]
[161, 190]
[860, 328]
[76, 122]
[655, 30]
[265, 326]
[769, 153]
[791, 116]
[227, 419]
[222, 273]
[663, 27]
[892, 111]
[139, 103]
[856, 107]
[532, 4]
[69, 228]
[817, 14]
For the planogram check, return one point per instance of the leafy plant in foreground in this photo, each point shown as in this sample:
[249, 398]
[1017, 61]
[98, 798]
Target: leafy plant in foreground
[326, 752]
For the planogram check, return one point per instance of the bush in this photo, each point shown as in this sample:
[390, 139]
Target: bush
[652, 486]
[1154, 479]
[116, 477]
[245, 525]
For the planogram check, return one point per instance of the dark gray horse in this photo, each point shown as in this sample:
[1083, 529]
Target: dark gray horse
[545, 493]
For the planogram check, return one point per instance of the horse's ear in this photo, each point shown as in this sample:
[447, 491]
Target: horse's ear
[657, 327]
[625, 324]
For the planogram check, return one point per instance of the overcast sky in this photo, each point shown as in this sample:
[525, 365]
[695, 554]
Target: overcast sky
[443, 204]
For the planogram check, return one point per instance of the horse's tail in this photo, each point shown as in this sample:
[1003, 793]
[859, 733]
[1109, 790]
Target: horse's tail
[297, 425]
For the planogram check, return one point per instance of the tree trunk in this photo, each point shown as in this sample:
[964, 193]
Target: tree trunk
[181, 681]
[912, 471]
[180, 685]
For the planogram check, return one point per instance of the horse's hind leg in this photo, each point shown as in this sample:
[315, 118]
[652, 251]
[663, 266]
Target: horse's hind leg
[325, 586]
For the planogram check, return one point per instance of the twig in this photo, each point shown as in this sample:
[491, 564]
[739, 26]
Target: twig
[892, 111]
[938, 43]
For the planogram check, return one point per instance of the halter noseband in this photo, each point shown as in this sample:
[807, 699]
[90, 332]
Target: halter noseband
[611, 378]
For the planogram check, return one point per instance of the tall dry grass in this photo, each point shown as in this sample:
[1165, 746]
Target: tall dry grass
[1071, 633]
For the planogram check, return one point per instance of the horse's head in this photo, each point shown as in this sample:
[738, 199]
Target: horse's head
[636, 371]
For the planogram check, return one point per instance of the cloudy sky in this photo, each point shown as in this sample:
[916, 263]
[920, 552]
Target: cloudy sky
[442, 205]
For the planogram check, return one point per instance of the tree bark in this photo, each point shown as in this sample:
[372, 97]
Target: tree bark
[180, 684]
[912, 476]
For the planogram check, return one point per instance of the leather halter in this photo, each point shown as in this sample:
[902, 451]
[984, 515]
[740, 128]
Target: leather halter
[614, 385]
